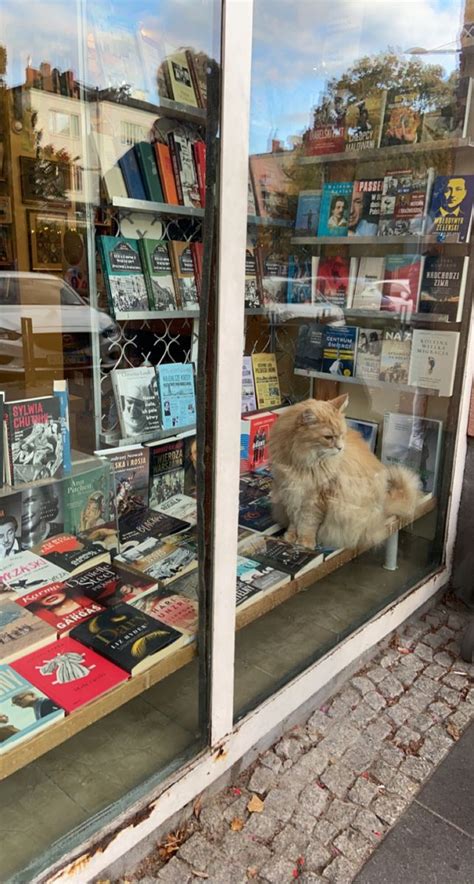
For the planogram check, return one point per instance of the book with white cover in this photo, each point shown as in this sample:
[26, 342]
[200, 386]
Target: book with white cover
[368, 288]
[138, 405]
[182, 506]
[26, 571]
[433, 360]
[413, 442]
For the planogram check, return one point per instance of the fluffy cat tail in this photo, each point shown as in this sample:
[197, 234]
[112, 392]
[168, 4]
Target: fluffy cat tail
[404, 492]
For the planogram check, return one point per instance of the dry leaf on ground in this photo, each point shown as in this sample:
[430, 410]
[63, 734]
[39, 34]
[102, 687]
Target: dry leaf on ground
[453, 731]
[255, 804]
[237, 824]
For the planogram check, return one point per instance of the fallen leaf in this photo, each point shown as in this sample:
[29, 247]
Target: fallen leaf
[252, 872]
[255, 804]
[453, 731]
[236, 791]
[197, 807]
[300, 862]
[199, 874]
[404, 651]
[237, 824]
[295, 873]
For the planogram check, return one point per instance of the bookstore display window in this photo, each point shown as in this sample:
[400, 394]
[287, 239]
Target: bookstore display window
[103, 286]
[357, 294]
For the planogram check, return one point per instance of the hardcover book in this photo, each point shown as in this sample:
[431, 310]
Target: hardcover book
[70, 673]
[181, 506]
[59, 606]
[197, 254]
[166, 471]
[395, 356]
[149, 171]
[258, 516]
[285, 557]
[249, 402]
[414, 442]
[451, 207]
[158, 274]
[335, 208]
[369, 284]
[20, 631]
[187, 585]
[137, 401]
[190, 460]
[365, 207]
[179, 79]
[369, 350]
[402, 121]
[339, 350]
[123, 274]
[307, 213]
[69, 552]
[259, 575]
[309, 347]
[402, 283]
[109, 584]
[181, 141]
[174, 610]
[162, 560]
[443, 285]
[184, 275]
[404, 202]
[108, 152]
[433, 360]
[364, 120]
[137, 525]
[252, 298]
[367, 429]
[86, 500]
[26, 571]
[131, 172]
[177, 396]
[270, 184]
[24, 710]
[299, 279]
[165, 168]
[35, 447]
[267, 385]
[130, 470]
[273, 278]
[333, 279]
[328, 131]
[198, 63]
[254, 435]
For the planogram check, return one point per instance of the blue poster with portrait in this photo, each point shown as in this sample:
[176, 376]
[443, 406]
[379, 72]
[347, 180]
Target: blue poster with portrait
[335, 208]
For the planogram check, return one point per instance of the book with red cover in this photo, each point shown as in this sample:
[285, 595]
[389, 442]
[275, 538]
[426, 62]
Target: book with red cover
[197, 252]
[70, 673]
[68, 552]
[175, 610]
[254, 435]
[165, 168]
[109, 584]
[402, 276]
[199, 153]
[60, 606]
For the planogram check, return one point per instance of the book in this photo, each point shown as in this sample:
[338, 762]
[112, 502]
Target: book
[369, 284]
[179, 79]
[176, 394]
[249, 402]
[138, 406]
[108, 152]
[443, 284]
[70, 553]
[149, 171]
[137, 525]
[162, 560]
[270, 185]
[395, 356]
[10, 525]
[246, 594]
[260, 575]
[267, 385]
[20, 631]
[197, 254]
[34, 447]
[333, 278]
[59, 606]
[41, 513]
[402, 119]
[404, 203]
[123, 274]
[450, 210]
[130, 466]
[402, 283]
[174, 610]
[366, 201]
[364, 119]
[26, 571]
[2, 440]
[254, 435]
[158, 274]
[181, 506]
[327, 134]
[86, 499]
[199, 155]
[187, 585]
[335, 208]
[24, 710]
[433, 360]
[284, 557]
[252, 297]
[70, 673]
[307, 213]
[166, 471]
[131, 173]
[369, 351]
[258, 516]
[253, 485]
[190, 461]
[109, 584]
[60, 390]
[184, 275]
[414, 442]
[339, 350]
[180, 142]
[309, 346]
[198, 65]
[273, 278]
[251, 205]
[447, 119]
[367, 429]
[165, 168]
[299, 279]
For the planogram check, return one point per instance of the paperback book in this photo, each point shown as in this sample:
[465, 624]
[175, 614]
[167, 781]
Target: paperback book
[335, 208]
[270, 184]
[249, 402]
[109, 584]
[404, 202]
[136, 526]
[339, 350]
[176, 394]
[71, 553]
[299, 279]
[178, 77]
[365, 207]
[413, 442]
[254, 436]
[258, 516]
[369, 350]
[20, 631]
[174, 610]
[246, 594]
[395, 356]
[402, 121]
[24, 710]
[402, 283]
[184, 276]
[130, 470]
[165, 168]
[35, 446]
[433, 360]
[166, 471]
[60, 390]
[158, 275]
[369, 284]
[267, 384]
[451, 207]
[10, 525]
[162, 560]
[307, 213]
[443, 285]
[273, 278]
[252, 298]
[86, 500]
[26, 571]
[327, 134]
[309, 347]
[123, 274]
[138, 406]
[284, 557]
[59, 606]
[261, 576]
[333, 279]
[108, 152]
[181, 141]
[367, 429]
[447, 120]
[181, 506]
[254, 485]
[364, 120]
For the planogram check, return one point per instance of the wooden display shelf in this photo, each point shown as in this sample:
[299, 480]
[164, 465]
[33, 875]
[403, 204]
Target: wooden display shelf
[67, 727]
[424, 239]
[382, 153]
[363, 382]
[131, 205]
[140, 315]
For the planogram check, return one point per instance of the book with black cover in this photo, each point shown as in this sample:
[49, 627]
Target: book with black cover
[310, 346]
[258, 516]
[443, 285]
[166, 471]
[138, 525]
[149, 171]
[282, 556]
[109, 584]
[158, 274]
[68, 552]
[35, 441]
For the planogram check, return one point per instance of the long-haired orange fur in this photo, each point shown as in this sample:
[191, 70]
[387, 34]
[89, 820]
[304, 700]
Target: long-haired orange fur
[328, 487]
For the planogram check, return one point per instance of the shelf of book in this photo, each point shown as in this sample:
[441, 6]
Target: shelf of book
[131, 205]
[381, 153]
[340, 379]
[260, 221]
[165, 108]
[158, 436]
[419, 241]
[81, 463]
[139, 315]
[57, 733]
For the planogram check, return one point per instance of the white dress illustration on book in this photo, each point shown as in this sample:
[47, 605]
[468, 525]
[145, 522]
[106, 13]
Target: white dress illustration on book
[68, 667]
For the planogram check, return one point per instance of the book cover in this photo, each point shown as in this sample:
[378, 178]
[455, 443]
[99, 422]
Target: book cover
[137, 525]
[333, 279]
[187, 585]
[252, 298]
[299, 279]
[130, 467]
[197, 254]
[433, 360]
[451, 207]
[249, 402]
[255, 484]
[366, 200]
[270, 185]
[190, 461]
[443, 285]
[254, 436]
[404, 201]
[162, 560]
[259, 575]
[364, 120]
[414, 442]
[60, 390]
[369, 284]
[199, 154]
[309, 346]
[339, 350]
[108, 152]
[402, 283]
[2, 440]
[395, 356]
[179, 79]
[447, 119]
[59, 606]
[70, 552]
[35, 439]
[180, 506]
[26, 571]
[166, 471]
[402, 120]
[174, 610]
[158, 274]
[246, 594]
[86, 500]
[267, 385]
[10, 525]
[177, 396]
[307, 213]
[181, 142]
[281, 556]
[251, 205]
[108, 585]
[327, 134]
[20, 631]
[165, 168]
[149, 171]
[184, 275]
[71, 673]
[123, 274]
[367, 429]
[273, 278]
[198, 65]
[138, 406]
[369, 351]
[335, 208]
[131, 173]
[24, 710]
[258, 516]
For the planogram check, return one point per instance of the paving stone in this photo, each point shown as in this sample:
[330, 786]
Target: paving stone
[418, 769]
[463, 716]
[339, 738]
[375, 701]
[263, 825]
[391, 755]
[376, 674]
[319, 722]
[316, 856]
[310, 878]
[290, 748]
[443, 659]
[238, 808]
[277, 870]
[344, 703]
[454, 648]
[340, 871]
[338, 778]
[311, 765]
[403, 785]
[211, 819]
[427, 686]
[436, 745]
[406, 675]
[452, 698]
[304, 822]
[382, 771]
[456, 621]
[390, 658]
[360, 755]
[415, 628]
[446, 634]
[362, 684]
[390, 687]
[416, 700]
[377, 732]
[175, 872]
[398, 713]
[435, 640]
[353, 845]
[262, 780]
[422, 722]
[456, 682]
[363, 714]
[224, 871]
[370, 825]
[314, 799]
[362, 792]
[470, 697]
[390, 807]
[406, 735]
[270, 759]
[280, 803]
[439, 711]
[197, 851]
[341, 813]
[424, 652]
[410, 662]
[435, 618]
[290, 842]
[244, 850]
[435, 671]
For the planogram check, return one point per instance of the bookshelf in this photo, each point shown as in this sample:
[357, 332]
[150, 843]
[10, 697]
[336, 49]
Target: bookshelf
[382, 153]
[132, 205]
[362, 382]
[419, 242]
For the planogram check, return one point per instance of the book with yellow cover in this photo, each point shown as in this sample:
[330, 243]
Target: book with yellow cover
[267, 385]
[179, 79]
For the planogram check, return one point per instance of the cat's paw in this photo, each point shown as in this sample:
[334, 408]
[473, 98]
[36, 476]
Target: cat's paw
[290, 536]
[307, 540]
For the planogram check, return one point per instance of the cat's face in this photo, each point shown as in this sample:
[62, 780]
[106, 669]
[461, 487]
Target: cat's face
[321, 428]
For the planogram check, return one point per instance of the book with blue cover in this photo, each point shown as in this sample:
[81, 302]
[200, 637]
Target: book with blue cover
[123, 274]
[132, 177]
[339, 350]
[335, 208]
[177, 396]
[24, 709]
[307, 213]
[451, 207]
[299, 279]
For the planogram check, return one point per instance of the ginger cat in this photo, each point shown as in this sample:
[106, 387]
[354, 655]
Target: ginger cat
[328, 487]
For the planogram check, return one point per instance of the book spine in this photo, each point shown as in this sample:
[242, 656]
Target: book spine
[194, 77]
[105, 275]
[196, 254]
[176, 169]
[199, 155]
[7, 447]
[175, 270]
[61, 392]
[146, 273]
[429, 187]
[2, 452]
[165, 168]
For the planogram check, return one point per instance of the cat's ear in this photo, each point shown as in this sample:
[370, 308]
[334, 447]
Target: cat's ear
[340, 403]
[307, 418]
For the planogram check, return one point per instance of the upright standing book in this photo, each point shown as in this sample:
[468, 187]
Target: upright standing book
[184, 275]
[267, 384]
[273, 277]
[402, 121]
[299, 279]
[369, 350]
[108, 152]
[451, 207]
[179, 79]
[332, 281]
[249, 402]
[158, 274]
[404, 203]
[309, 347]
[307, 212]
[60, 390]
[443, 285]
[327, 134]
[252, 297]
[335, 208]
[365, 207]
[402, 283]
[166, 471]
[123, 274]
[367, 429]
[433, 360]
[165, 168]
[149, 171]
[130, 469]
[364, 119]
[131, 172]
[24, 709]
[181, 141]
[86, 500]
[339, 350]
[177, 396]
[414, 442]
[395, 356]
[35, 448]
[138, 406]
[369, 284]
[254, 436]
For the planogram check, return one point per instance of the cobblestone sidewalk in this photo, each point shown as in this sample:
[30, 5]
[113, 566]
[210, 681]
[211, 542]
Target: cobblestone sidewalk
[324, 796]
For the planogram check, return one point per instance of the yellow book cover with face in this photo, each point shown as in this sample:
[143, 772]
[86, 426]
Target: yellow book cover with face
[267, 385]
